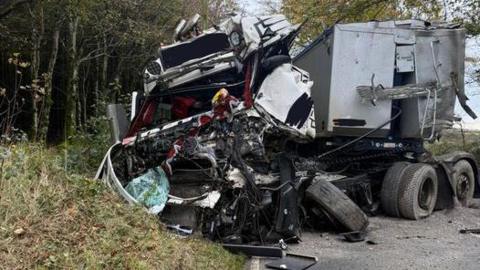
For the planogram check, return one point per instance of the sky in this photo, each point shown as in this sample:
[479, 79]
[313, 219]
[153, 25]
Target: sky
[254, 7]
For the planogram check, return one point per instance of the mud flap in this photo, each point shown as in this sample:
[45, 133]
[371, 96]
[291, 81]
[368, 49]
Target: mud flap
[451, 159]
[287, 218]
[445, 191]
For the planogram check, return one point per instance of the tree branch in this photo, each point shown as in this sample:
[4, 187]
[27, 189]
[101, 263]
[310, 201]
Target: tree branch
[9, 5]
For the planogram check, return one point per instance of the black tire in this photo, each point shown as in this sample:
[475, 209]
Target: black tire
[464, 181]
[337, 204]
[389, 194]
[418, 191]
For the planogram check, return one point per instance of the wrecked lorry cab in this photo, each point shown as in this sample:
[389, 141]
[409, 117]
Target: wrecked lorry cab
[257, 145]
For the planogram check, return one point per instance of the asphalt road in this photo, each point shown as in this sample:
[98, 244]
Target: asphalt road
[432, 243]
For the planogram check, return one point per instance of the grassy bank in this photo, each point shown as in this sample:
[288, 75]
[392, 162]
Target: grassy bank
[52, 219]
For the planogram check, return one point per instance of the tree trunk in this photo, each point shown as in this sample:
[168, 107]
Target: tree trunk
[38, 31]
[116, 89]
[73, 99]
[9, 5]
[103, 78]
[72, 84]
[96, 86]
[47, 103]
[85, 92]
[84, 108]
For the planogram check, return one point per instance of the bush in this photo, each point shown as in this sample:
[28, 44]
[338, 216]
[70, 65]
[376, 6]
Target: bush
[84, 151]
[453, 140]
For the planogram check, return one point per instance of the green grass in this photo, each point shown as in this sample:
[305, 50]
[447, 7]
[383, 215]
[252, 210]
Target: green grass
[51, 219]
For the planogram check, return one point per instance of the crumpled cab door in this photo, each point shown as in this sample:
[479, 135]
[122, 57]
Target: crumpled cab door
[285, 95]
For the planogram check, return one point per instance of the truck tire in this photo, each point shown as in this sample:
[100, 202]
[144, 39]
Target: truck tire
[391, 187]
[418, 191]
[337, 204]
[464, 181]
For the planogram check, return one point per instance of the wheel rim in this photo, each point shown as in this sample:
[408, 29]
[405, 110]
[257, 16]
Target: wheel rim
[425, 196]
[463, 186]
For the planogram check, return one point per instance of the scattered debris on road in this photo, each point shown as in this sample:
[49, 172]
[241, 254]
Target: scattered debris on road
[354, 237]
[255, 251]
[292, 262]
[474, 231]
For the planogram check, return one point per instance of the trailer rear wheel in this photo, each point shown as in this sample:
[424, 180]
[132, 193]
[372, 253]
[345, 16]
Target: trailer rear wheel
[337, 204]
[465, 181]
[391, 187]
[418, 191]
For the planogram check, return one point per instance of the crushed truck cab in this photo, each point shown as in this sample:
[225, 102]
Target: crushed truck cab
[235, 138]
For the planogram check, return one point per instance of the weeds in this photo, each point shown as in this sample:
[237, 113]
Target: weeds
[84, 151]
[454, 140]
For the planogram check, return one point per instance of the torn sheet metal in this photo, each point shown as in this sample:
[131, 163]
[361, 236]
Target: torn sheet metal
[285, 94]
[236, 177]
[462, 97]
[208, 200]
[266, 179]
[248, 34]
